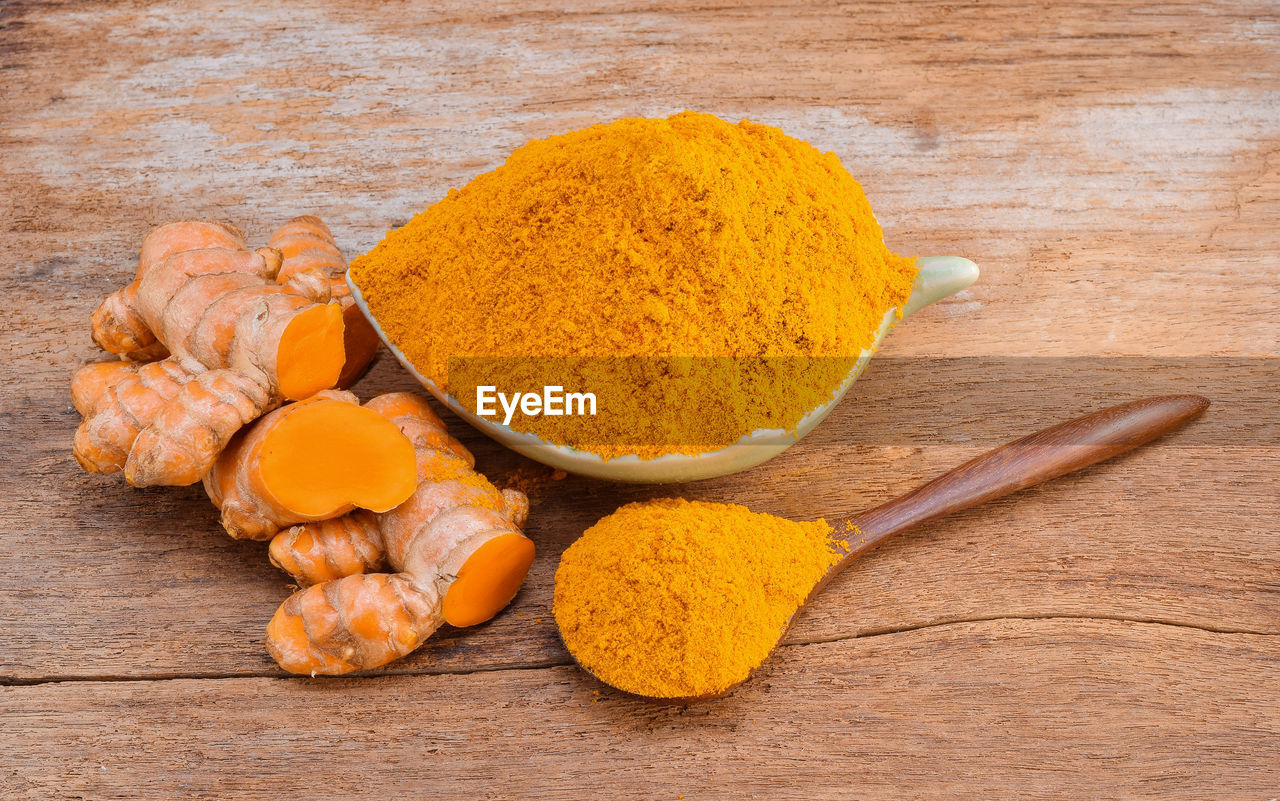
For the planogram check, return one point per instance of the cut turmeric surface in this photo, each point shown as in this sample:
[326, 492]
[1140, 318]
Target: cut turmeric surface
[327, 454]
[312, 460]
[487, 579]
[309, 356]
[680, 599]
[686, 238]
[455, 545]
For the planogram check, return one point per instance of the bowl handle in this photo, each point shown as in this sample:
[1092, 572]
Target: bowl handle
[938, 277]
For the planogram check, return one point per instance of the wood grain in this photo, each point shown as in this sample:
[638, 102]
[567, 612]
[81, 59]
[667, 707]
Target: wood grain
[1114, 167]
[1055, 709]
[1034, 459]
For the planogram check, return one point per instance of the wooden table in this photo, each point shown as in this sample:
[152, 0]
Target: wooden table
[1115, 170]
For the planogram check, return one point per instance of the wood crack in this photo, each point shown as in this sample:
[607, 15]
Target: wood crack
[1148, 621]
[12, 681]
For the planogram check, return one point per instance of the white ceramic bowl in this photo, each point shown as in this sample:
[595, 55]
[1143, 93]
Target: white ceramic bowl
[939, 277]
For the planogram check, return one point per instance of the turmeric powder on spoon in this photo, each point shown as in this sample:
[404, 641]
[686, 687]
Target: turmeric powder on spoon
[652, 262]
[680, 599]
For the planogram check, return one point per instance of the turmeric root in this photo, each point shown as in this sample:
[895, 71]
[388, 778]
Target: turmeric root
[93, 380]
[118, 327]
[120, 412]
[455, 543]
[239, 344]
[313, 553]
[307, 244]
[311, 460]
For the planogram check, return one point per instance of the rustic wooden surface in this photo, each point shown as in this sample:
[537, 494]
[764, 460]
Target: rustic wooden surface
[1113, 167]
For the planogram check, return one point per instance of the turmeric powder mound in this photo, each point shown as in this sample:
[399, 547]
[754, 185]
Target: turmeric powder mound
[646, 238]
[673, 598]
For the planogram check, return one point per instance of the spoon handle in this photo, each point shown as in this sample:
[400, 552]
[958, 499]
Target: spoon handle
[1039, 457]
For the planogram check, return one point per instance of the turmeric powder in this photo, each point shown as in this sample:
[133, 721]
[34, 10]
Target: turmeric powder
[678, 599]
[664, 258]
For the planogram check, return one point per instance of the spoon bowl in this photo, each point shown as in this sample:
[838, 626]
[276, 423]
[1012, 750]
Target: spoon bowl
[1031, 460]
[938, 277]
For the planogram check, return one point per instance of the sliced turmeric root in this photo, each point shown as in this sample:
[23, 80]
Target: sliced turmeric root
[328, 455]
[307, 244]
[488, 580]
[311, 460]
[238, 342]
[311, 352]
[455, 545]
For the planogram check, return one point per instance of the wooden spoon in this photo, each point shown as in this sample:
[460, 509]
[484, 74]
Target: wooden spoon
[1031, 460]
